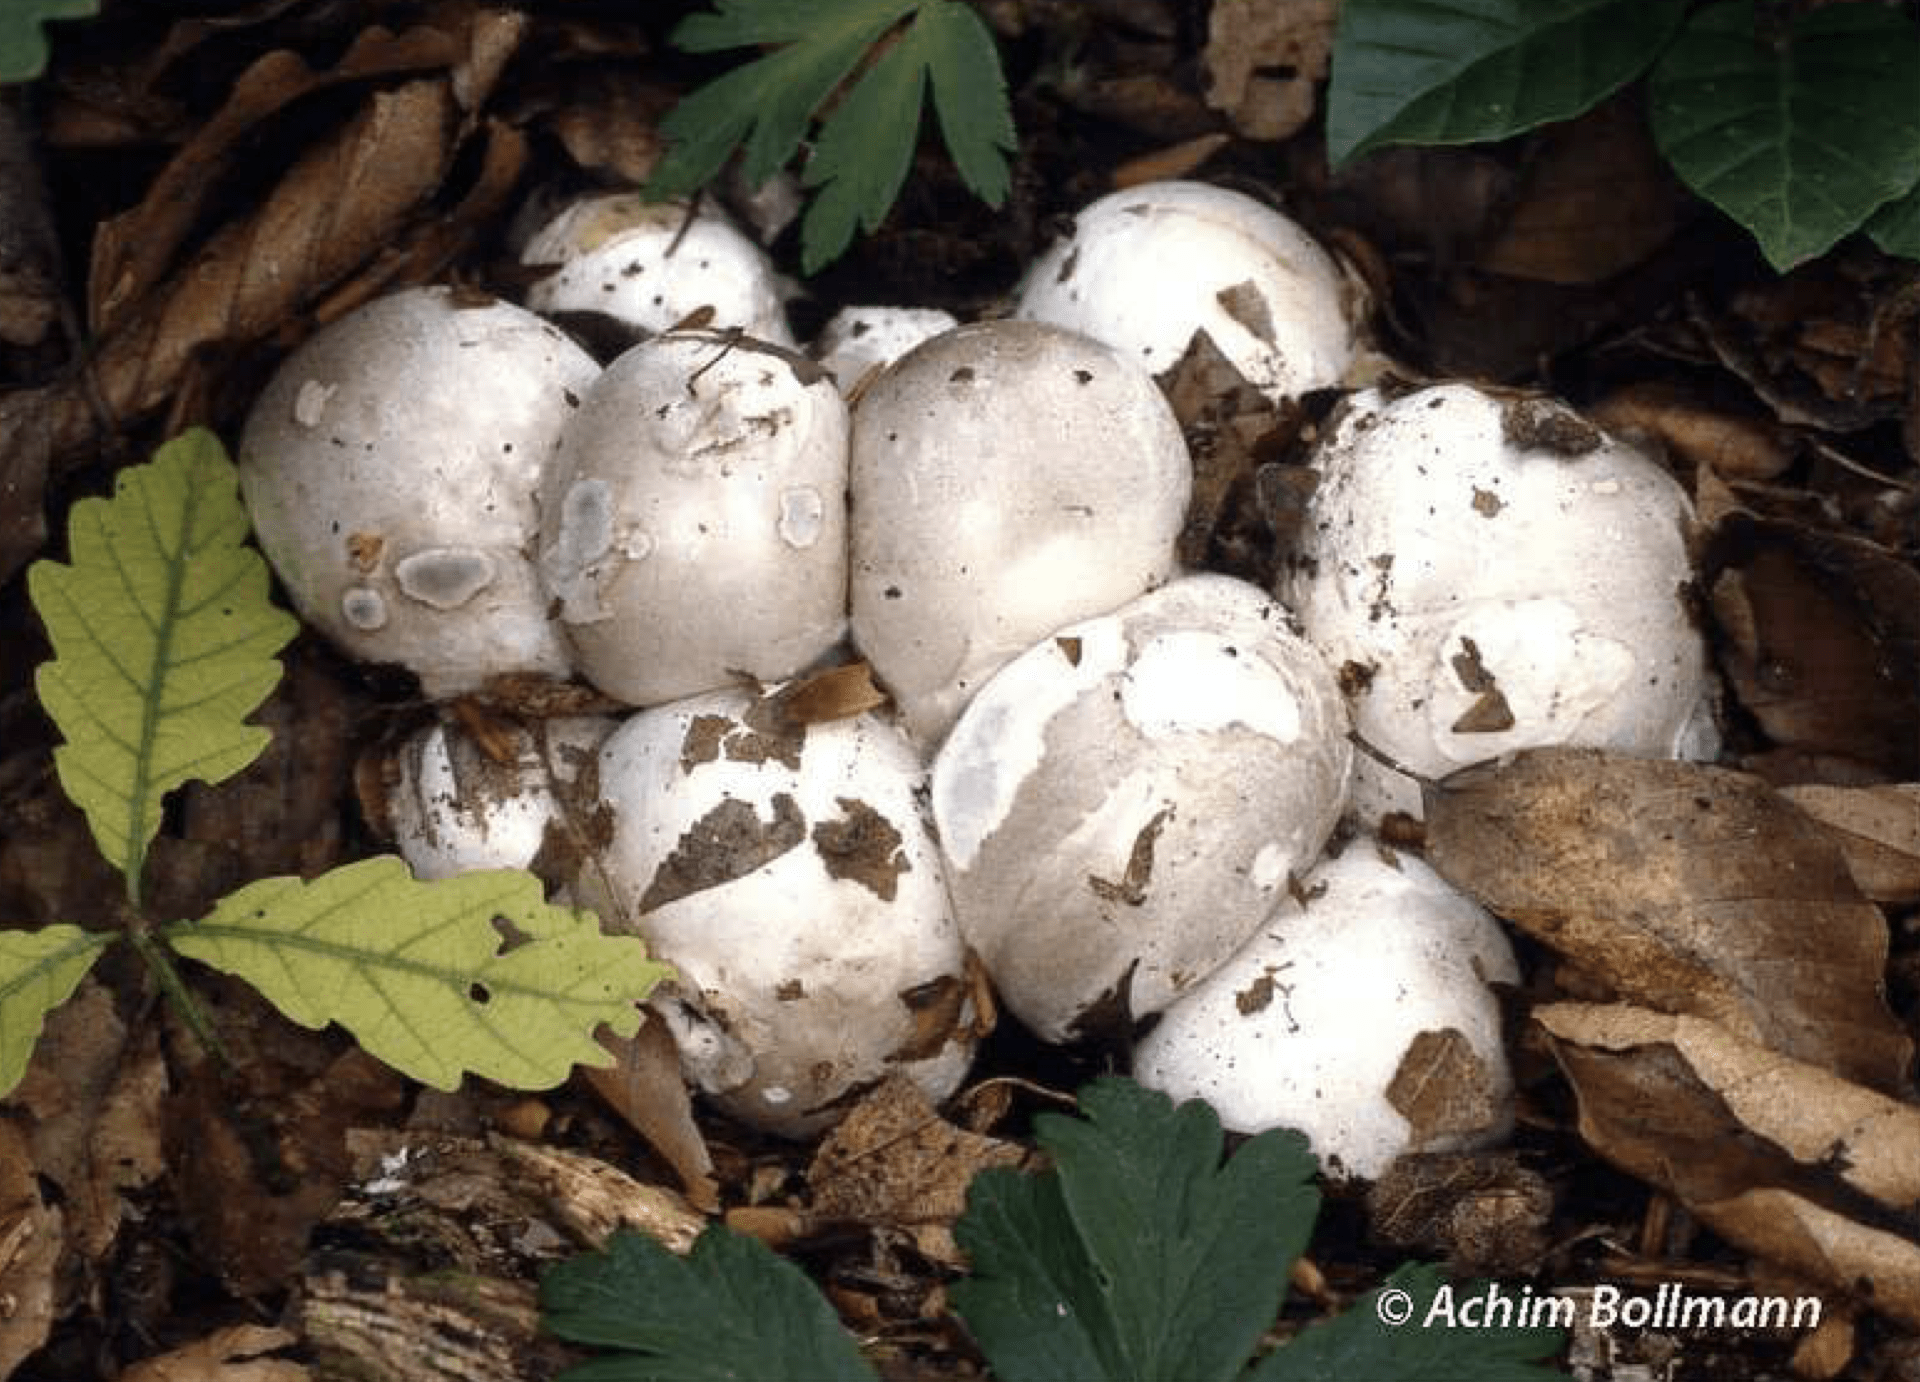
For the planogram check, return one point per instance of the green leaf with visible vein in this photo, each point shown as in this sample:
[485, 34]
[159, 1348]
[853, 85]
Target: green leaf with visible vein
[473, 973]
[23, 48]
[1460, 71]
[1799, 142]
[866, 144]
[1357, 1343]
[163, 642]
[39, 970]
[1895, 227]
[730, 1311]
[1173, 1266]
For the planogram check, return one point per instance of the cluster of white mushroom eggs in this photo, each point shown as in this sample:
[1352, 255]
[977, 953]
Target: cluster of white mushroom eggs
[1104, 776]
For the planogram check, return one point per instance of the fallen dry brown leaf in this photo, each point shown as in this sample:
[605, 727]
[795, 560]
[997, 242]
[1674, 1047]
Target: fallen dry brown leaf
[1877, 829]
[1732, 444]
[226, 1355]
[1778, 1156]
[1263, 59]
[32, 1238]
[1687, 889]
[644, 1086]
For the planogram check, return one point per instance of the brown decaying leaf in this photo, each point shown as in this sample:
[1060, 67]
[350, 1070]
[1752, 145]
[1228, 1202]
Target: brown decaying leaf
[32, 1239]
[1820, 640]
[29, 253]
[1775, 1155]
[1877, 829]
[1263, 58]
[1444, 1090]
[835, 694]
[1688, 889]
[226, 1355]
[609, 123]
[1485, 1211]
[645, 1087]
[1733, 445]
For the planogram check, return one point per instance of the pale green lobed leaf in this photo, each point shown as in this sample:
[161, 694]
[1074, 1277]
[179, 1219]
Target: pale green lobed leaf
[424, 978]
[39, 971]
[163, 640]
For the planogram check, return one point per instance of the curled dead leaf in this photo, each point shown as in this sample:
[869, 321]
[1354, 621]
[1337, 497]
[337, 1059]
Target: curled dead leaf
[1263, 59]
[1877, 829]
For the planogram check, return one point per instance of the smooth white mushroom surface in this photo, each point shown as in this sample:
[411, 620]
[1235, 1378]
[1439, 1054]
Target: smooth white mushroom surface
[1494, 573]
[1343, 1018]
[1121, 806]
[1147, 267]
[694, 522]
[789, 876]
[1007, 478]
[858, 340]
[452, 808]
[391, 467]
[654, 264]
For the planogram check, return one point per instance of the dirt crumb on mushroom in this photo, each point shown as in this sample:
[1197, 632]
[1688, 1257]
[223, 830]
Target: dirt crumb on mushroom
[863, 847]
[1540, 424]
[729, 842]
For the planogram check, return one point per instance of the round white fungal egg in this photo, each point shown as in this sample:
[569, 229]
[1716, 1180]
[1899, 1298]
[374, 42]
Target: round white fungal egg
[858, 340]
[788, 875]
[653, 265]
[1495, 573]
[1147, 267]
[452, 808]
[1122, 805]
[1309, 1025]
[1007, 478]
[694, 519]
[391, 467]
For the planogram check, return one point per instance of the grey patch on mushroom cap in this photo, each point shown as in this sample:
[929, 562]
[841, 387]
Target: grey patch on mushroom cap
[446, 577]
[363, 608]
[584, 536]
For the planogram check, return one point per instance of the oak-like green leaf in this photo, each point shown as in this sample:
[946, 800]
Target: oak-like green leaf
[1461, 71]
[23, 48]
[476, 973]
[1799, 140]
[39, 971]
[163, 641]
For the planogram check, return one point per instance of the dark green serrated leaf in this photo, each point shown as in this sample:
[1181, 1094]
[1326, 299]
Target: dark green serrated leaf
[1460, 71]
[1801, 141]
[1357, 1343]
[1175, 1264]
[1895, 227]
[730, 1311]
[970, 97]
[23, 48]
[858, 175]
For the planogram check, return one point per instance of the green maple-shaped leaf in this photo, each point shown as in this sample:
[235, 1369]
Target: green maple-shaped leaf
[23, 48]
[1461, 71]
[1799, 140]
[1140, 1256]
[475, 973]
[163, 641]
[39, 971]
[867, 143]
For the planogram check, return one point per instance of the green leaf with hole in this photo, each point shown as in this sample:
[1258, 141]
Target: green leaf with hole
[1140, 1255]
[23, 48]
[866, 143]
[1798, 140]
[163, 641]
[1461, 71]
[39, 970]
[476, 973]
[730, 1310]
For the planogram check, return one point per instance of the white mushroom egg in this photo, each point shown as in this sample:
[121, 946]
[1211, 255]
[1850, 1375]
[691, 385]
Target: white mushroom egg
[1007, 478]
[1363, 1019]
[391, 468]
[1495, 573]
[858, 340]
[1147, 267]
[653, 265]
[694, 518]
[789, 876]
[1122, 805]
[453, 808]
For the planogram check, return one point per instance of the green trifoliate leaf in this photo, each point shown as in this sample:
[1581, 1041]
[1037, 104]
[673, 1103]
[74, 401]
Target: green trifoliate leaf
[866, 145]
[1139, 1255]
[23, 48]
[730, 1311]
[1798, 140]
[39, 970]
[1396, 1332]
[469, 974]
[1461, 71]
[163, 642]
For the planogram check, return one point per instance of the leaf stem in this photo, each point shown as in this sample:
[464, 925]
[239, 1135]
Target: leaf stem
[176, 991]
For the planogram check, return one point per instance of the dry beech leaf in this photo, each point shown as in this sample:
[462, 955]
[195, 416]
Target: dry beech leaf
[1731, 445]
[1780, 1157]
[835, 694]
[1822, 640]
[645, 1087]
[31, 1247]
[226, 1355]
[1263, 58]
[1877, 829]
[1688, 889]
